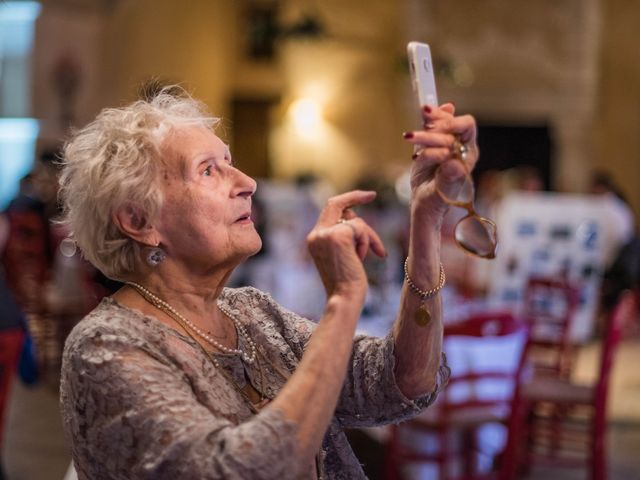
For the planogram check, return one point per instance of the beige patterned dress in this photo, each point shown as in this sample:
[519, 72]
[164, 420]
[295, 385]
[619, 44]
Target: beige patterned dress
[142, 401]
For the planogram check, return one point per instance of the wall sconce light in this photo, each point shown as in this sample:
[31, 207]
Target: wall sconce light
[306, 115]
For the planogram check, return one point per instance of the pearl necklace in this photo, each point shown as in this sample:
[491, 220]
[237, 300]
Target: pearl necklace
[184, 322]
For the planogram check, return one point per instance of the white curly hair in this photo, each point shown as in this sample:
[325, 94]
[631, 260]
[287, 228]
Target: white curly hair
[115, 160]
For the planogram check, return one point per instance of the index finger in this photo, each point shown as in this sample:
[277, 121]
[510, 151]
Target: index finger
[333, 210]
[446, 110]
[464, 126]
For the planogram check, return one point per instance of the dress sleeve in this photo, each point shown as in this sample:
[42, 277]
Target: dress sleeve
[370, 395]
[134, 415]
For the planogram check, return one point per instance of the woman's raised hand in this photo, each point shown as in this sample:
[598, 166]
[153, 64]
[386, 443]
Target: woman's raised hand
[340, 241]
[435, 146]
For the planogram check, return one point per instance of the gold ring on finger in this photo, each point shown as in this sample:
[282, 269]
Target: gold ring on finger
[460, 150]
[344, 221]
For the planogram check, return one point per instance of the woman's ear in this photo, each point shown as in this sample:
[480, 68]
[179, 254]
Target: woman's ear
[132, 221]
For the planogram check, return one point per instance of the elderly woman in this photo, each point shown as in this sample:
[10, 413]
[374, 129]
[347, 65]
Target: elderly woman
[176, 376]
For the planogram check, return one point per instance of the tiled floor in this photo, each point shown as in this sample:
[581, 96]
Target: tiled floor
[34, 445]
[35, 448]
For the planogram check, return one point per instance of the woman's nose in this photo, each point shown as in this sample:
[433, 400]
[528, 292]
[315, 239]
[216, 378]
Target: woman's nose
[246, 186]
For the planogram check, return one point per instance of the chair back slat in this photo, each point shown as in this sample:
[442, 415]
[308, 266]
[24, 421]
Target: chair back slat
[549, 307]
[555, 406]
[486, 355]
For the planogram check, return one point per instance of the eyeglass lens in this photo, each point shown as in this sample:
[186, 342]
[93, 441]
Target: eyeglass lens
[475, 234]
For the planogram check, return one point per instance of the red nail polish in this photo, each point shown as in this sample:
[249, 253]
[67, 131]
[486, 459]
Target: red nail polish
[427, 109]
[407, 135]
[414, 156]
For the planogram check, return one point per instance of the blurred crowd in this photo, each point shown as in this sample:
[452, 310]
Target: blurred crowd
[51, 287]
[46, 286]
[621, 251]
[54, 287]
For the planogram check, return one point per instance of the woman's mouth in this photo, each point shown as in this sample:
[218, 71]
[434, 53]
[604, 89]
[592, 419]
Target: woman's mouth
[246, 218]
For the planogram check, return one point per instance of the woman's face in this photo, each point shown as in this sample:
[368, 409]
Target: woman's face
[205, 219]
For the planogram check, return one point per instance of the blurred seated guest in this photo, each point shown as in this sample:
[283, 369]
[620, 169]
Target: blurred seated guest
[622, 274]
[621, 222]
[623, 255]
[176, 376]
[27, 198]
[489, 192]
[528, 179]
[53, 289]
[28, 254]
[602, 183]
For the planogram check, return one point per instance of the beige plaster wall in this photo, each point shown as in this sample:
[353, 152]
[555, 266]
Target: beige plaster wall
[191, 43]
[617, 128]
[120, 44]
[75, 34]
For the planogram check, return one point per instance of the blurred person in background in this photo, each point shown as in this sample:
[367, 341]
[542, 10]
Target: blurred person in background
[623, 254]
[528, 179]
[176, 376]
[622, 221]
[52, 289]
[11, 336]
[30, 246]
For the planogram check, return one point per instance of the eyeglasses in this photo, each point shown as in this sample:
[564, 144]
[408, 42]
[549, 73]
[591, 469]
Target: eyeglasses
[474, 234]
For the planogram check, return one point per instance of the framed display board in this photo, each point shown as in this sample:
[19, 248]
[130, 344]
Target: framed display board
[553, 235]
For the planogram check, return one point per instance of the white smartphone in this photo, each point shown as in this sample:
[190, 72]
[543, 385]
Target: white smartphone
[422, 77]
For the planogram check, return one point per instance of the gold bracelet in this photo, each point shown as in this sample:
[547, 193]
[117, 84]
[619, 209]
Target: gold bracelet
[422, 316]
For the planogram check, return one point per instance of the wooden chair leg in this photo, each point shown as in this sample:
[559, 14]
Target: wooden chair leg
[469, 445]
[598, 450]
[529, 440]
[391, 470]
[516, 439]
[443, 461]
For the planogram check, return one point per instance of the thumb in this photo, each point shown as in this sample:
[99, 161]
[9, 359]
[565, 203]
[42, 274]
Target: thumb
[449, 108]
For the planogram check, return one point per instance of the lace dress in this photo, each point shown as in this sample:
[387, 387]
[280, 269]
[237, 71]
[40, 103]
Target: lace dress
[140, 400]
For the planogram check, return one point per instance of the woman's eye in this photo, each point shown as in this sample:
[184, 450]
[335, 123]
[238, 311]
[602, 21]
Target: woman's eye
[207, 171]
